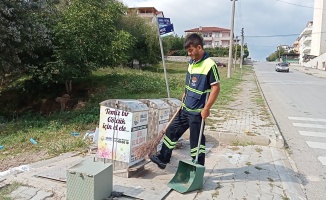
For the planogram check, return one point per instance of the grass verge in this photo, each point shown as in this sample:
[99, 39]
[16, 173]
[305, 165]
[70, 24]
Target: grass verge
[52, 132]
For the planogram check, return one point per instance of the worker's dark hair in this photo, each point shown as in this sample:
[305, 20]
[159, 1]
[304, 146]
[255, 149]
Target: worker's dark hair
[193, 39]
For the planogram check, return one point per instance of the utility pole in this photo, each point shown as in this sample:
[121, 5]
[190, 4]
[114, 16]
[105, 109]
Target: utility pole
[241, 58]
[236, 51]
[231, 39]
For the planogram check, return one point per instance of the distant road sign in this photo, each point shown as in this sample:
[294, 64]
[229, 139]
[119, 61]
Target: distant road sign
[166, 29]
[163, 21]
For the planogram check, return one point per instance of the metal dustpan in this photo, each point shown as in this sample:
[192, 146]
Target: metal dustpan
[189, 175]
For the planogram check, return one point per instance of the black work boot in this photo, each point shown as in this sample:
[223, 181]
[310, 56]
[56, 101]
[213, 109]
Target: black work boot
[155, 159]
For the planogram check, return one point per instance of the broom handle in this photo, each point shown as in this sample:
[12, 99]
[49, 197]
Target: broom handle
[201, 133]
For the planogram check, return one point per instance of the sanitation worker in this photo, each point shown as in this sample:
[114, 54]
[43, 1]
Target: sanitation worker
[202, 79]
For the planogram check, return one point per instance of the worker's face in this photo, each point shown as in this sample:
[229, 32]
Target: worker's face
[195, 52]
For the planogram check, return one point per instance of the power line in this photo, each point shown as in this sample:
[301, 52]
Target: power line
[298, 5]
[263, 36]
[253, 45]
[285, 35]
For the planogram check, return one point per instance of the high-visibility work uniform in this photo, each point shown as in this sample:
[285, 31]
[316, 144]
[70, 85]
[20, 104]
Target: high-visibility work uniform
[200, 76]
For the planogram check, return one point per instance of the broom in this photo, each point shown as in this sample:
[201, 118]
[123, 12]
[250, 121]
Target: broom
[149, 147]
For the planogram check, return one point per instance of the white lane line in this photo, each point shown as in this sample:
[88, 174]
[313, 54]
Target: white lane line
[312, 134]
[316, 145]
[322, 160]
[309, 125]
[308, 119]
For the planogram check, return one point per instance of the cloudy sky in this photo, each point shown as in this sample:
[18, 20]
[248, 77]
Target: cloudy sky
[257, 17]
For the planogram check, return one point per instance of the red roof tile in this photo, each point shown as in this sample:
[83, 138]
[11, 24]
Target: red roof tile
[208, 29]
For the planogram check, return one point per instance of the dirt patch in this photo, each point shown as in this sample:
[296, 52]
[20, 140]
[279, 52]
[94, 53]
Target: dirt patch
[42, 102]
[22, 159]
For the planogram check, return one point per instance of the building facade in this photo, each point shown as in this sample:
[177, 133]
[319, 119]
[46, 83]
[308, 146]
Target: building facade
[316, 58]
[212, 36]
[319, 29]
[303, 44]
[149, 13]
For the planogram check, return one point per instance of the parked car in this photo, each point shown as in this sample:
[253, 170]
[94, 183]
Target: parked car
[219, 64]
[282, 67]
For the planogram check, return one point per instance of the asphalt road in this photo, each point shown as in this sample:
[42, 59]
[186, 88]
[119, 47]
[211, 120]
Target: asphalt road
[298, 103]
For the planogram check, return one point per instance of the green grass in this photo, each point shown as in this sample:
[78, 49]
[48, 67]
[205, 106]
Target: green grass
[7, 190]
[236, 142]
[259, 150]
[52, 132]
[229, 86]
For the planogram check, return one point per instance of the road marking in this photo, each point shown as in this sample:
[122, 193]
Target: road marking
[316, 145]
[309, 125]
[312, 134]
[322, 160]
[308, 119]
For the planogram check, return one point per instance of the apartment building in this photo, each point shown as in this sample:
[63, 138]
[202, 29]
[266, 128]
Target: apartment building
[303, 43]
[212, 36]
[149, 13]
[311, 44]
[319, 29]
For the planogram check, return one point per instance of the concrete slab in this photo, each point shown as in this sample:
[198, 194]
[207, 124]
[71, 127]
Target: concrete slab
[59, 172]
[41, 195]
[31, 191]
[148, 184]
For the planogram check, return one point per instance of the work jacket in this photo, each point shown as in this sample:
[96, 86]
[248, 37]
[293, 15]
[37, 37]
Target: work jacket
[200, 76]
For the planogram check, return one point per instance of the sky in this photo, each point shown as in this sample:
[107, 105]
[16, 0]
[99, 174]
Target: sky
[257, 17]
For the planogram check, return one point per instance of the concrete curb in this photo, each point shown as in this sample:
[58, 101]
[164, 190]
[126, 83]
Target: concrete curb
[280, 141]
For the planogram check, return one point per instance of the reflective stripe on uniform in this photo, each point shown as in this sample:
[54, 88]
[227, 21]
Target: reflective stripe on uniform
[191, 110]
[198, 69]
[200, 152]
[169, 143]
[215, 73]
[202, 149]
[197, 91]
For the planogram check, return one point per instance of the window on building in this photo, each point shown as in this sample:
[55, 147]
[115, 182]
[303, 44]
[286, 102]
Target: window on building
[217, 43]
[205, 35]
[217, 35]
[210, 34]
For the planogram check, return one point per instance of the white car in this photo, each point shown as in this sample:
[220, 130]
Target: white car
[282, 67]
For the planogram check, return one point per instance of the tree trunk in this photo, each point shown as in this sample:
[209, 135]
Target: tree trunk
[68, 84]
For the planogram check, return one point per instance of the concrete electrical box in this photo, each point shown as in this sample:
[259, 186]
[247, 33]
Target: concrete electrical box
[90, 180]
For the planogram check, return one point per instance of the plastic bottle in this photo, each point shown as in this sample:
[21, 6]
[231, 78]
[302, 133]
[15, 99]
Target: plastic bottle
[74, 134]
[32, 141]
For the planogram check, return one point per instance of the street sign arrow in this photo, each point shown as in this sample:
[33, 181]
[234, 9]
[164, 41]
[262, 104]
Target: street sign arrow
[166, 29]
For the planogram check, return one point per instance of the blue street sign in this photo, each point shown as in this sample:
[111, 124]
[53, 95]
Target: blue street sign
[163, 21]
[166, 29]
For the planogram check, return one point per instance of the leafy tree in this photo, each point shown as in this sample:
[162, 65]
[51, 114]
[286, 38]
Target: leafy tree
[25, 39]
[276, 55]
[144, 45]
[87, 39]
[172, 44]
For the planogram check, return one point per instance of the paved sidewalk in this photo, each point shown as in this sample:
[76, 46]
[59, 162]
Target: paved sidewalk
[238, 170]
[312, 71]
[247, 160]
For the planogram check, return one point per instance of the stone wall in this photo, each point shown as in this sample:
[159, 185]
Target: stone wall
[187, 58]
